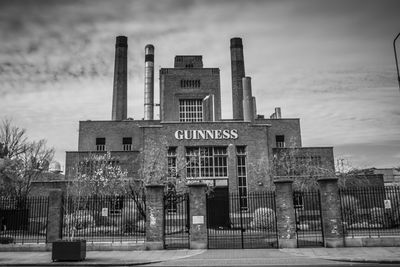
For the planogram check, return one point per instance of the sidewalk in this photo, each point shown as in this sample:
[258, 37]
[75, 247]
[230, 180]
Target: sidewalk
[224, 257]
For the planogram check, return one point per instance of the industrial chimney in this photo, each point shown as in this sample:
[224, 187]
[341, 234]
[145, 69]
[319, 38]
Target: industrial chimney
[149, 83]
[119, 104]
[248, 109]
[237, 66]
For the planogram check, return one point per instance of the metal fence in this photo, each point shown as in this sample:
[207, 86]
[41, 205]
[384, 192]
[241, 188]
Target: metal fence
[176, 220]
[307, 206]
[371, 211]
[105, 218]
[23, 220]
[238, 221]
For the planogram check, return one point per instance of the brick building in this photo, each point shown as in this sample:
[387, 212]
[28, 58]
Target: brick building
[234, 155]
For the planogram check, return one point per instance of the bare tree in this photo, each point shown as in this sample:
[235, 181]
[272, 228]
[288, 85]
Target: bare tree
[24, 161]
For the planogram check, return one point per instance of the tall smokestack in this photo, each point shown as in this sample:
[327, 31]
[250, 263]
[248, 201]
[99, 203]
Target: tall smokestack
[149, 83]
[119, 104]
[248, 109]
[237, 66]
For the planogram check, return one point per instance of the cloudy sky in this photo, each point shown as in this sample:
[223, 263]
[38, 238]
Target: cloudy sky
[330, 63]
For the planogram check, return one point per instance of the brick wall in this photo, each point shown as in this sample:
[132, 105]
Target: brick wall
[171, 90]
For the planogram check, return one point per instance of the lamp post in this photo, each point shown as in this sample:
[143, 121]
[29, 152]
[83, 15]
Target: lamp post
[395, 55]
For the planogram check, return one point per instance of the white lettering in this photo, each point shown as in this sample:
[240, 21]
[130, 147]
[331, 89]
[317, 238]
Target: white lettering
[206, 134]
[179, 135]
[234, 134]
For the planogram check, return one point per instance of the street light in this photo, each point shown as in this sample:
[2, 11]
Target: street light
[395, 55]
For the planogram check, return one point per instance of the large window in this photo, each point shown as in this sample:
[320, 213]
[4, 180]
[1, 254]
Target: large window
[206, 162]
[190, 110]
[242, 175]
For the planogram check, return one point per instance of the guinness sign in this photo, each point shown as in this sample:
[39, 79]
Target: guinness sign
[206, 134]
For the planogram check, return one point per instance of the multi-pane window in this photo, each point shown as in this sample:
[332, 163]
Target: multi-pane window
[190, 110]
[206, 162]
[171, 157]
[280, 140]
[100, 144]
[242, 175]
[127, 143]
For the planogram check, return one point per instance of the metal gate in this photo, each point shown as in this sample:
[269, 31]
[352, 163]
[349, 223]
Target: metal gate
[309, 227]
[176, 220]
[237, 221]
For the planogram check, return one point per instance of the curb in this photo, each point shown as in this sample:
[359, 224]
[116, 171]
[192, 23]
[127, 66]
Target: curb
[82, 263]
[397, 261]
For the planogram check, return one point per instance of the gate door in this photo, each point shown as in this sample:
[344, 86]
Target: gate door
[176, 220]
[307, 206]
[237, 221]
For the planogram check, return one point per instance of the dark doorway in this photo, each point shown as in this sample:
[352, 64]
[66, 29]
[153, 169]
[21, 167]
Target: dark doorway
[218, 208]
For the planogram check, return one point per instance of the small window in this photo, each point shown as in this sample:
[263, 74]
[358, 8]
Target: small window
[127, 143]
[280, 140]
[100, 144]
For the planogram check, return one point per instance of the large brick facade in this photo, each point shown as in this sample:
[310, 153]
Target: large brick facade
[248, 148]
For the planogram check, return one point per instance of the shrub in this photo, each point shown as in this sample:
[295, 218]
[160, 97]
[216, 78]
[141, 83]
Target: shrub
[130, 217]
[80, 220]
[263, 218]
[6, 240]
[350, 209]
[376, 215]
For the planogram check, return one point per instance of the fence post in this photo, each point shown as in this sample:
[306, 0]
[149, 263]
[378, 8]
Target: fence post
[55, 216]
[198, 216]
[154, 217]
[331, 215]
[285, 215]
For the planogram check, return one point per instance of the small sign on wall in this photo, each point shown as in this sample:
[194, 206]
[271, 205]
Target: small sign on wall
[104, 212]
[388, 204]
[198, 219]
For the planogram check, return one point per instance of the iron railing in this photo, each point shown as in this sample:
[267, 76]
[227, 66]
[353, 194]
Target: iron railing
[371, 211]
[176, 220]
[104, 218]
[23, 220]
[229, 225]
[309, 227]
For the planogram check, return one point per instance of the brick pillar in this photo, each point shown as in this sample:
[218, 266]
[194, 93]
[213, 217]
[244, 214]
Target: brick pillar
[55, 216]
[285, 215]
[198, 216]
[330, 208]
[154, 217]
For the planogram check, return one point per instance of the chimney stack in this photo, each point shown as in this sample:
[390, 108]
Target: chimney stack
[248, 109]
[119, 104]
[149, 83]
[238, 72]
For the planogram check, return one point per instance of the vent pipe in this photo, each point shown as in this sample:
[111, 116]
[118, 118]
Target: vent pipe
[238, 72]
[254, 108]
[119, 104]
[278, 114]
[149, 83]
[248, 109]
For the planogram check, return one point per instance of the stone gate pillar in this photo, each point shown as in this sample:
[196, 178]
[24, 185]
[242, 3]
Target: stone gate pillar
[55, 216]
[330, 212]
[154, 217]
[285, 215]
[198, 216]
